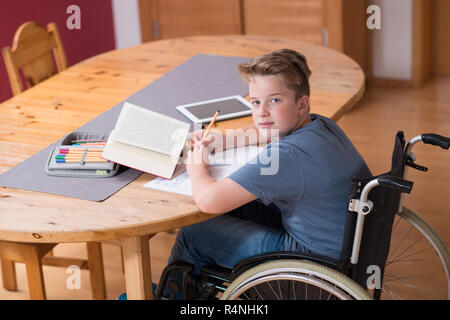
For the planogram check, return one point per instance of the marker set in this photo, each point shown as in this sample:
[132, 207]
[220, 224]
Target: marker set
[81, 151]
[79, 155]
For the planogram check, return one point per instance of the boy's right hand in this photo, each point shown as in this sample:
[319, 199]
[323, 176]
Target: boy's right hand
[210, 142]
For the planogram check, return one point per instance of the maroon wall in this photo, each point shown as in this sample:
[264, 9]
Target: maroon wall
[95, 36]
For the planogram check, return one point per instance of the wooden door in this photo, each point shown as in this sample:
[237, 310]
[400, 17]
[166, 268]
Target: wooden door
[441, 37]
[163, 19]
[295, 19]
[431, 40]
[345, 29]
[338, 24]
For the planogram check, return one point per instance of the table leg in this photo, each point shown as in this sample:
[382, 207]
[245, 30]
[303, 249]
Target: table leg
[96, 271]
[138, 276]
[9, 275]
[35, 275]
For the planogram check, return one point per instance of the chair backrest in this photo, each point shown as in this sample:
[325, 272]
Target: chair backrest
[31, 51]
[376, 235]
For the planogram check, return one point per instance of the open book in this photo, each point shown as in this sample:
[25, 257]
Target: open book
[146, 140]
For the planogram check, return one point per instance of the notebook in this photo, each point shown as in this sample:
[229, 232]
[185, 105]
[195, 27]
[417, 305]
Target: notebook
[146, 140]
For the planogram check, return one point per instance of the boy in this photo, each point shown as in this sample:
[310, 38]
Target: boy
[301, 206]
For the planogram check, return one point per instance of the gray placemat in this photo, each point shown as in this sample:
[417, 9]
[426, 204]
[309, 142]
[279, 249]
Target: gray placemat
[202, 77]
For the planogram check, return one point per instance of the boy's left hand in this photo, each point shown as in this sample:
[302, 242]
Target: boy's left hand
[196, 161]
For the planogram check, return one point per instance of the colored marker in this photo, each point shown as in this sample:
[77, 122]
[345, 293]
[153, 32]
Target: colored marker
[84, 141]
[80, 157]
[89, 144]
[79, 161]
[81, 149]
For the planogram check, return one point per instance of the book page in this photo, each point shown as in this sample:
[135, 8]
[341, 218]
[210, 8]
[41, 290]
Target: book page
[150, 130]
[156, 163]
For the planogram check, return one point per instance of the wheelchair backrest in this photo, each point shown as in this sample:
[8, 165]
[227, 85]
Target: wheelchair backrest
[376, 235]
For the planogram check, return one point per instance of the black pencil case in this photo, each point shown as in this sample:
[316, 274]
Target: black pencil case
[82, 168]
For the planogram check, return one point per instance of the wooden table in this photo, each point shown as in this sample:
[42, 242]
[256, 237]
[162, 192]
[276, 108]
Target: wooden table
[43, 114]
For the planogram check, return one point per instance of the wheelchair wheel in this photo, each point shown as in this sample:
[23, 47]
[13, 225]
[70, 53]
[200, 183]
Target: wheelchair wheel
[418, 263]
[293, 280]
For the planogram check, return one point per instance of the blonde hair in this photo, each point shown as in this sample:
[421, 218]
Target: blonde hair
[288, 64]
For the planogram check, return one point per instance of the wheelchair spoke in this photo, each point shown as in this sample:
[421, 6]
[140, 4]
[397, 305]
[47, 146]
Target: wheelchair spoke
[413, 260]
[279, 290]
[329, 296]
[389, 292]
[268, 283]
[404, 259]
[391, 277]
[396, 224]
[306, 292]
[247, 296]
[259, 294]
[423, 287]
[400, 242]
[293, 289]
[409, 247]
[410, 285]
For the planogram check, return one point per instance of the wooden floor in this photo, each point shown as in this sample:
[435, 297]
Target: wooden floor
[371, 125]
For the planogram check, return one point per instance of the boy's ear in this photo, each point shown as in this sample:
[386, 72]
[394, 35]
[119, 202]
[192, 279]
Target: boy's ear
[303, 104]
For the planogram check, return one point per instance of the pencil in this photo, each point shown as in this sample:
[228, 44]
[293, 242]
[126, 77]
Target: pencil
[210, 125]
[187, 144]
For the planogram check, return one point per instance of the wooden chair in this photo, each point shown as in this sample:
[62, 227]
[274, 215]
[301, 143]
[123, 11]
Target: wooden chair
[31, 52]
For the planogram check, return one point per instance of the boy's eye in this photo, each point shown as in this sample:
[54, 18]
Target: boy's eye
[274, 100]
[255, 102]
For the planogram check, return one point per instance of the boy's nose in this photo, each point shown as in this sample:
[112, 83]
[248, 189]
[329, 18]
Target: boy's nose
[263, 110]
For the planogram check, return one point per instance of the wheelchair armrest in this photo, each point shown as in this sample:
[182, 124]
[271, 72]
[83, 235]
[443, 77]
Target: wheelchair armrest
[396, 183]
[246, 264]
[217, 272]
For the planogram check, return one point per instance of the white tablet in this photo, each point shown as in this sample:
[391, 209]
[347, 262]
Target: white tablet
[229, 107]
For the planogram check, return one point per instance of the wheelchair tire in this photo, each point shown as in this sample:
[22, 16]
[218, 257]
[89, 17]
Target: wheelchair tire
[418, 262]
[293, 280]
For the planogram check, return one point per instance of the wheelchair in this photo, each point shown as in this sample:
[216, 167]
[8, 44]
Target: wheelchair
[388, 252]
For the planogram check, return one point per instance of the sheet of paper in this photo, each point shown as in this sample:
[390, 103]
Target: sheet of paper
[223, 164]
[235, 157]
[181, 184]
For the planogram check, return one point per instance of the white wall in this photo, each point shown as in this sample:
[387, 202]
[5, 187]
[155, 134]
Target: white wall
[392, 45]
[126, 23]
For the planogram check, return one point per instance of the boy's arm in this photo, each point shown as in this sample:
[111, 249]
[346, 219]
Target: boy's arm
[230, 138]
[211, 196]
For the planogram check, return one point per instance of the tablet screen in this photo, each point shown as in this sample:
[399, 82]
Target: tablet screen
[208, 110]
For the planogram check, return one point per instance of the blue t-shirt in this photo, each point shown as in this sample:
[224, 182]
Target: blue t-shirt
[307, 175]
